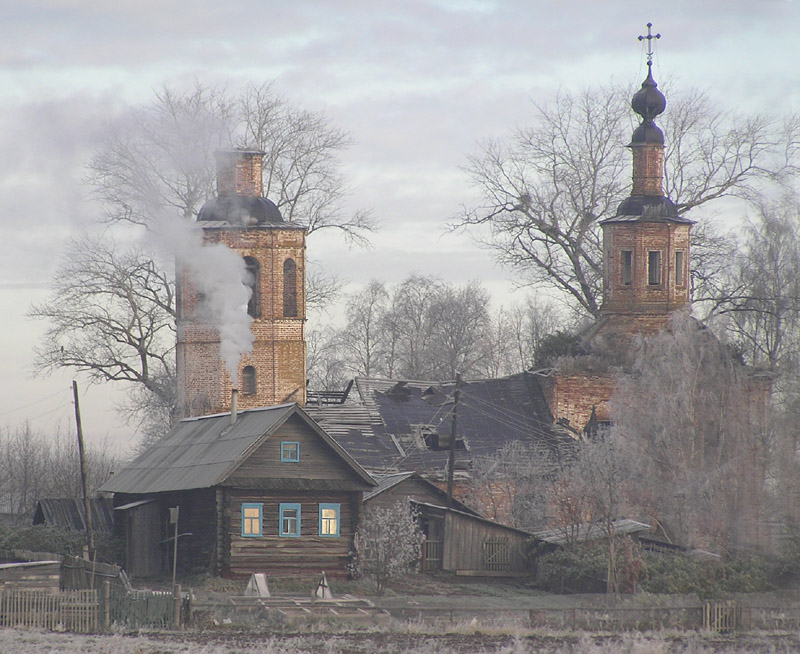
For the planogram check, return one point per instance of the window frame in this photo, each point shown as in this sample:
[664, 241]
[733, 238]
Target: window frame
[290, 292]
[657, 256]
[259, 506]
[249, 380]
[253, 282]
[283, 508]
[626, 267]
[680, 268]
[330, 506]
[285, 458]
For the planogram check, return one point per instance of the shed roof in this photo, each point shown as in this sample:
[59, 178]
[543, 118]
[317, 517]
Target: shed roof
[590, 531]
[387, 482]
[69, 513]
[203, 452]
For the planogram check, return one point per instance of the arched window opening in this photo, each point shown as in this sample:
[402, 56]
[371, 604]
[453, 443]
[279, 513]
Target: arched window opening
[252, 277]
[249, 380]
[289, 289]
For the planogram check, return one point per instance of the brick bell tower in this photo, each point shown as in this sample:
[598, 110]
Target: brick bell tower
[273, 252]
[646, 244]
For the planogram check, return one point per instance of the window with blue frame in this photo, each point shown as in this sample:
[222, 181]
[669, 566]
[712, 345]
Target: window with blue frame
[289, 519]
[251, 519]
[329, 519]
[290, 451]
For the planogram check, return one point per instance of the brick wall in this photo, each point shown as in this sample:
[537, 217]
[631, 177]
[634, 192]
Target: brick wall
[279, 351]
[648, 169]
[572, 396]
[239, 172]
[640, 238]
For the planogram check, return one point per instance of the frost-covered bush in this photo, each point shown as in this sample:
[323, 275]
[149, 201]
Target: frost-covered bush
[388, 543]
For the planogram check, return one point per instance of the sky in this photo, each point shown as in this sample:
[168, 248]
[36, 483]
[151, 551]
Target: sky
[418, 84]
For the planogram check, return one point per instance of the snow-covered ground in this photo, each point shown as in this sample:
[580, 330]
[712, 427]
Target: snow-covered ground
[22, 642]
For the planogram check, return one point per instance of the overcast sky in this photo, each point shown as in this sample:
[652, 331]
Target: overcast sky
[418, 84]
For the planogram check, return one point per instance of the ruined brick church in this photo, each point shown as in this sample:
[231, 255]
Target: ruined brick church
[645, 271]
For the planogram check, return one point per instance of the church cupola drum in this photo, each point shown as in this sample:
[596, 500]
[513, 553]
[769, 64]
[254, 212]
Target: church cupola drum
[273, 256]
[646, 244]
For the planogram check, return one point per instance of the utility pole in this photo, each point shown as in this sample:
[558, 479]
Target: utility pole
[451, 459]
[86, 504]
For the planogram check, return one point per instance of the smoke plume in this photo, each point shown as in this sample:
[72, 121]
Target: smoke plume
[219, 274]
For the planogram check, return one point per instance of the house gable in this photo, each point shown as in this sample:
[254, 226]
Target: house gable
[296, 456]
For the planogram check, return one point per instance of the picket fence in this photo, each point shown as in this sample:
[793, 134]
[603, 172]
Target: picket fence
[72, 610]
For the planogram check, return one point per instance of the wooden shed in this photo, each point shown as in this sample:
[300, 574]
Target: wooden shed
[268, 491]
[457, 540]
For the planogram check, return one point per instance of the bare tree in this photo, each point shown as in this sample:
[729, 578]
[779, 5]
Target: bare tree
[762, 294]
[110, 315]
[422, 328]
[35, 466]
[545, 188]
[326, 369]
[361, 338]
[529, 324]
[410, 324]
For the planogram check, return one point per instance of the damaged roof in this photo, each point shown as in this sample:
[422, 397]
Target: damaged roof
[491, 413]
[359, 430]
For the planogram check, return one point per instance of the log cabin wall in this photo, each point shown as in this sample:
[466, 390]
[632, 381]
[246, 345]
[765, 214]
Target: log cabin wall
[306, 555]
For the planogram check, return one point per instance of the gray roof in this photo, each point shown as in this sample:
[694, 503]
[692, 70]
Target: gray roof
[203, 452]
[69, 513]
[359, 430]
[385, 482]
[590, 531]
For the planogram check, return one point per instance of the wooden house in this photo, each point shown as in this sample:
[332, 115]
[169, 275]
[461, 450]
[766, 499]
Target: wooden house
[458, 539]
[265, 490]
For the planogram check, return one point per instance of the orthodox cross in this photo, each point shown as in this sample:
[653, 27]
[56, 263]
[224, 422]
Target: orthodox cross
[650, 36]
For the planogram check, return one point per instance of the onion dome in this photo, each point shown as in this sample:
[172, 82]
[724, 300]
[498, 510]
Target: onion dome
[648, 102]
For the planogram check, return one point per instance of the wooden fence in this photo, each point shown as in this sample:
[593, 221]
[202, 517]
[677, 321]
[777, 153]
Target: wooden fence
[75, 610]
[432, 555]
[496, 554]
[720, 616]
[148, 608]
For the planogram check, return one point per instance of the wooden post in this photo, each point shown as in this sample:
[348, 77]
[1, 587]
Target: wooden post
[176, 620]
[86, 504]
[173, 518]
[106, 605]
[451, 459]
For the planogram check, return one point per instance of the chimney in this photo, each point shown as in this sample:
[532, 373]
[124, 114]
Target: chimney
[234, 405]
[239, 172]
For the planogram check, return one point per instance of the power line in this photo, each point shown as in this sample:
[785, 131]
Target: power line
[34, 403]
